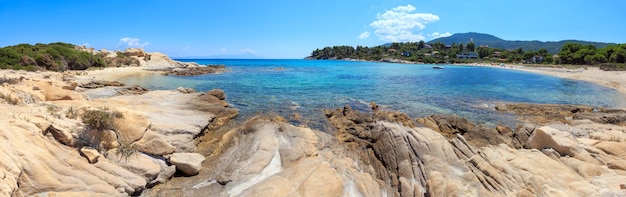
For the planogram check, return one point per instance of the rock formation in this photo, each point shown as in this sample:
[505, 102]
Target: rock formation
[154, 61]
[389, 154]
[49, 146]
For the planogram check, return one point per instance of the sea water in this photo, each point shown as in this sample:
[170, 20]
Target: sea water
[305, 87]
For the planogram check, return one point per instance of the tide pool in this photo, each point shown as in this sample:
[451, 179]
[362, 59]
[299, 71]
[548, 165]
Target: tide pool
[305, 87]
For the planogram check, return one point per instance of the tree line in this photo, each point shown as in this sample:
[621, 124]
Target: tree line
[570, 53]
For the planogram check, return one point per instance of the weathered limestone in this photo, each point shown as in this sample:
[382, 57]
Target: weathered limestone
[188, 163]
[46, 149]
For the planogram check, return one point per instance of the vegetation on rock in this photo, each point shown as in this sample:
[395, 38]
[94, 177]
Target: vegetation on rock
[56, 56]
[100, 119]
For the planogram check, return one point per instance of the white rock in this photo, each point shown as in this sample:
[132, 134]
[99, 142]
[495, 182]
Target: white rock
[92, 155]
[188, 163]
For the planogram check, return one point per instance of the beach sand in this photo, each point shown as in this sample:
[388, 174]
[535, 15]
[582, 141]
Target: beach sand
[612, 79]
[116, 73]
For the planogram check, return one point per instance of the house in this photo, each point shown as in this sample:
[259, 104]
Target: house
[428, 46]
[406, 54]
[497, 54]
[467, 55]
[537, 59]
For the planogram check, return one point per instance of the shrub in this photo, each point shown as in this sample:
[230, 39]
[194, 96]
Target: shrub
[613, 67]
[71, 113]
[8, 80]
[100, 119]
[9, 99]
[54, 56]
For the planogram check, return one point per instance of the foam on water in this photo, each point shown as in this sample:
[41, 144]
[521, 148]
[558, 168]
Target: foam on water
[305, 87]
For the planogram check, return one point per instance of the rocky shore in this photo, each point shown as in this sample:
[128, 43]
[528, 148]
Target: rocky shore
[83, 134]
[386, 153]
[75, 134]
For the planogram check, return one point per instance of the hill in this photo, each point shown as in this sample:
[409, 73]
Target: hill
[495, 42]
[54, 56]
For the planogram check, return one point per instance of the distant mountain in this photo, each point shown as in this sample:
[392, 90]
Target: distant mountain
[495, 42]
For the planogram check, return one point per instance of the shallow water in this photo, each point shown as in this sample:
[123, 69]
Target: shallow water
[306, 87]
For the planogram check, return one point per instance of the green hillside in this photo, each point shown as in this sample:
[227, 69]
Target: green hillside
[481, 39]
[54, 56]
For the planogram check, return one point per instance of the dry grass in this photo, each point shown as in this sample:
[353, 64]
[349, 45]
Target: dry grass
[9, 99]
[5, 79]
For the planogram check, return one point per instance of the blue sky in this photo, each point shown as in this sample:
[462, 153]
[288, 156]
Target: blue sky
[292, 29]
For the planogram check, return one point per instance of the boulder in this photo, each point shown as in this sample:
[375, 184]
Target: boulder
[218, 93]
[163, 176]
[140, 164]
[153, 143]
[185, 90]
[187, 163]
[562, 142]
[65, 137]
[92, 155]
[71, 86]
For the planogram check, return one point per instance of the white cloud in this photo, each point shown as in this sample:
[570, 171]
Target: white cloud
[186, 48]
[248, 50]
[364, 35]
[132, 42]
[398, 24]
[436, 35]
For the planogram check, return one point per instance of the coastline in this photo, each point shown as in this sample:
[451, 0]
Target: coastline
[163, 132]
[613, 79]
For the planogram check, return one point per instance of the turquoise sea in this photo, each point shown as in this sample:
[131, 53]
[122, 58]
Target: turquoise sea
[305, 87]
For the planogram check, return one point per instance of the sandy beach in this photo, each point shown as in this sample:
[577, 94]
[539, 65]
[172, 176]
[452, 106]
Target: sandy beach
[612, 79]
[116, 73]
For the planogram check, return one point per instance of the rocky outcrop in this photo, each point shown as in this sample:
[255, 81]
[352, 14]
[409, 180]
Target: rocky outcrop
[155, 61]
[445, 162]
[268, 158]
[476, 135]
[48, 148]
[100, 84]
[193, 114]
[546, 113]
[196, 70]
[382, 153]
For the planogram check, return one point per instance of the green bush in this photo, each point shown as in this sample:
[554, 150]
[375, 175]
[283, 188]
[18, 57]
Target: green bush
[100, 119]
[54, 56]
